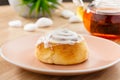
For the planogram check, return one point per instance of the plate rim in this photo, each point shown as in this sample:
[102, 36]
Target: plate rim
[62, 71]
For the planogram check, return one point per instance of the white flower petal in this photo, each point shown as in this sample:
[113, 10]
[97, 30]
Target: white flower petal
[44, 22]
[74, 19]
[30, 27]
[15, 23]
[67, 13]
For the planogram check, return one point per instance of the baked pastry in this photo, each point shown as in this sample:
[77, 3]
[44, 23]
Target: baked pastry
[62, 47]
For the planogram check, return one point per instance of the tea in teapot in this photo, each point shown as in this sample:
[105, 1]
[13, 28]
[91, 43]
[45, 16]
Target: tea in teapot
[101, 17]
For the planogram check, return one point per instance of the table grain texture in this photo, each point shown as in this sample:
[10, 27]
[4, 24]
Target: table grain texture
[12, 72]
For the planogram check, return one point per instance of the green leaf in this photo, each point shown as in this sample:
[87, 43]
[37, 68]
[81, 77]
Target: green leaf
[43, 6]
[38, 6]
[32, 8]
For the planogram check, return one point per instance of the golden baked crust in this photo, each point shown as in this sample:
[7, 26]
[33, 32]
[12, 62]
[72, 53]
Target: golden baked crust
[64, 54]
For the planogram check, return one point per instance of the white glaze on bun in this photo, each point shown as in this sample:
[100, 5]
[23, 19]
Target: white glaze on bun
[60, 36]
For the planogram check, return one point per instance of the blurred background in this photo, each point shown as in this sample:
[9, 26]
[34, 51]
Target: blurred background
[5, 2]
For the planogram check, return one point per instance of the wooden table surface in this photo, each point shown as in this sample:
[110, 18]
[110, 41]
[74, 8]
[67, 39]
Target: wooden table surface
[11, 72]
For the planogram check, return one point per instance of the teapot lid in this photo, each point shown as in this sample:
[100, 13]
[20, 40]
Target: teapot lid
[106, 6]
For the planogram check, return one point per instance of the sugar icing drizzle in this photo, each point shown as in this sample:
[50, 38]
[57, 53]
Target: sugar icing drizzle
[60, 36]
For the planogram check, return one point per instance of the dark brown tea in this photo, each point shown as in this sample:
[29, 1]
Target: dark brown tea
[104, 24]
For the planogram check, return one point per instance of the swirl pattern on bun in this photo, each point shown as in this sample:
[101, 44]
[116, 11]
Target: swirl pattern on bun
[61, 36]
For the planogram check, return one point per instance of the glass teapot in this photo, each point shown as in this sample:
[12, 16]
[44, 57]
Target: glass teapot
[100, 17]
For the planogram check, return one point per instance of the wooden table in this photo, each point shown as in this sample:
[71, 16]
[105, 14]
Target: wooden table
[11, 72]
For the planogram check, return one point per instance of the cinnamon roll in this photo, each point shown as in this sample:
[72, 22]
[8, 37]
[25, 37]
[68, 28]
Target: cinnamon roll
[62, 47]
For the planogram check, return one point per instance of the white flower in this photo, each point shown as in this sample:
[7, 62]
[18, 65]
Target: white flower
[30, 27]
[67, 13]
[44, 22]
[15, 23]
[74, 19]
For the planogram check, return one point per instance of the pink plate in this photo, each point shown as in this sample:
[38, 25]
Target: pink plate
[102, 54]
